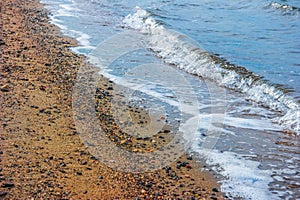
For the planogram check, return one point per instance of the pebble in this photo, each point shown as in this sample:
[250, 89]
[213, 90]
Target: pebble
[83, 162]
[215, 190]
[2, 193]
[63, 164]
[149, 185]
[2, 42]
[187, 176]
[79, 173]
[4, 88]
[7, 185]
[188, 166]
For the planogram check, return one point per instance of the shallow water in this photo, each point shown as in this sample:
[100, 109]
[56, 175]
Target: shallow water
[262, 37]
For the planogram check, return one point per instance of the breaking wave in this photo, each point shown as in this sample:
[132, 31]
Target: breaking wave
[177, 49]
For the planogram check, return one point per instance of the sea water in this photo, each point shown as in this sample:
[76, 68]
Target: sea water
[249, 48]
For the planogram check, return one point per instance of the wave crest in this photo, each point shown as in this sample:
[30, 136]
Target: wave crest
[177, 49]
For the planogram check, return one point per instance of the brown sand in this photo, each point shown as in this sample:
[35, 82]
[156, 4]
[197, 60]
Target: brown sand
[42, 156]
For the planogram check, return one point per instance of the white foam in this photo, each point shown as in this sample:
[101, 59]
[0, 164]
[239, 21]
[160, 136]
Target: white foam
[243, 178]
[283, 6]
[175, 48]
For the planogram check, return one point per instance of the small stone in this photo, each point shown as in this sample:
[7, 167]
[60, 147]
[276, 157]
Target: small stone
[2, 42]
[42, 87]
[4, 88]
[2, 193]
[83, 162]
[190, 158]
[63, 164]
[178, 166]
[184, 164]
[123, 142]
[187, 176]
[100, 177]
[7, 185]
[215, 190]
[188, 166]
[149, 185]
[79, 173]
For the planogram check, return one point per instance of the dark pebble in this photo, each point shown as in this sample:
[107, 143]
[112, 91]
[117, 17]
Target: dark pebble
[188, 166]
[190, 158]
[7, 185]
[63, 164]
[4, 89]
[149, 185]
[100, 177]
[215, 190]
[2, 42]
[84, 162]
[2, 193]
[79, 173]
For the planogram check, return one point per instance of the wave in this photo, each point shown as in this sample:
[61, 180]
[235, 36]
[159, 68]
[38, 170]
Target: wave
[284, 7]
[177, 49]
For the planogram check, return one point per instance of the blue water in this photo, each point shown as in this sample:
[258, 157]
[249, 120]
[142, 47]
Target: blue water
[262, 37]
[253, 34]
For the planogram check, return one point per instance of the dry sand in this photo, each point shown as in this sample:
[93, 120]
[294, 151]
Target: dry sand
[42, 155]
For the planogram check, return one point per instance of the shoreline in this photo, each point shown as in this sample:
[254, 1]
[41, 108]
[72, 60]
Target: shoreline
[42, 155]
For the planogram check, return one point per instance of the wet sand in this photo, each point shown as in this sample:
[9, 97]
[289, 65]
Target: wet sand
[42, 154]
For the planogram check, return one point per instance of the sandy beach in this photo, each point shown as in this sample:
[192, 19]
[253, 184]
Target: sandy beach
[42, 155]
